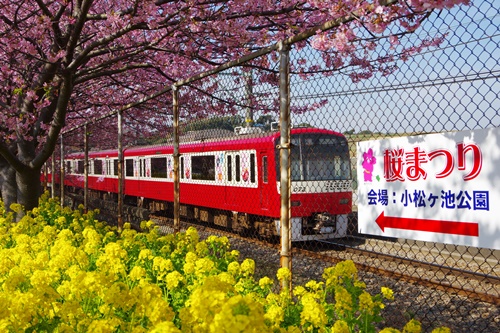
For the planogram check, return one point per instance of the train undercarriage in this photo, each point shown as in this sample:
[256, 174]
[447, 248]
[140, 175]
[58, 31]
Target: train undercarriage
[137, 209]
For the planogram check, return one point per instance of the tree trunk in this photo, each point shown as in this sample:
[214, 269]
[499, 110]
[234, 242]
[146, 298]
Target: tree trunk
[8, 186]
[28, 188]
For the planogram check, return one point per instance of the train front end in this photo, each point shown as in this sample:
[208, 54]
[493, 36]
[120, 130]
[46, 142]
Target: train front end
[321, 184]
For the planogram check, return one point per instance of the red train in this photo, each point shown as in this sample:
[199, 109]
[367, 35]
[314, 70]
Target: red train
[232, 180]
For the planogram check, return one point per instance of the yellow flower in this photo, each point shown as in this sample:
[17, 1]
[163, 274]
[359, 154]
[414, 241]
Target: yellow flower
[360, 284]
[42, 279]
[165, 327]
[103, 325]
[137, 273]
[341, 271]
[161, 264]
[248, 267]
[204, 302]
[189, 268]
[266, 282]
[234, 268]
[145, 254]
[15, 278]
[118, 295]
[413, 326]
[234, 254]
[275, 315]
[191, 257]
[159, 311]
[147, 225]
[239, 314]
[204, 266]
[340, 326]
[366, 302]
[92, 240]
[17, 208]
[174, 279]
[192, 233]
[226, 277]
[115, 251]
[314, 286]
[313, 313]
[299, 291]
[202, 249]
[283, 274]
[387, 293]
[343, 300]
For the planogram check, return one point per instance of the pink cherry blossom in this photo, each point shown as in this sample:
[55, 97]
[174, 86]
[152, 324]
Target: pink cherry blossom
[65, 62]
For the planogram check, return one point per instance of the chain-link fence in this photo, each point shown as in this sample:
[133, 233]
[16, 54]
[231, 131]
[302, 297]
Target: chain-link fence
[232, 162]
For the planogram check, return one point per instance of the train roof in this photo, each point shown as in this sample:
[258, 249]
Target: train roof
[216, 138]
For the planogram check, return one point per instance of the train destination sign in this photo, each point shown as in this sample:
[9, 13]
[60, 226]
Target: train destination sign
[441, 187]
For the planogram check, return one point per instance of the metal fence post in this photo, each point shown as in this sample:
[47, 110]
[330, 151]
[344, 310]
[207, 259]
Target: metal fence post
[61, 183]
[120, 171]
[175, 102]
[284, 89]
[53, 176]
[86, 168]
[45, 173]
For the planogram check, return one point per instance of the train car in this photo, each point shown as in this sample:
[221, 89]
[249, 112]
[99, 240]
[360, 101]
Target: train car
[233, 180]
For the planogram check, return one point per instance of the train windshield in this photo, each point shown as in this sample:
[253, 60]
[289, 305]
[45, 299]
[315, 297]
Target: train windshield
[318, 157]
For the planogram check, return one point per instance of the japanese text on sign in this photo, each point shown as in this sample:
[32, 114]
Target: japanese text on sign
[477, 200]
[399, 163]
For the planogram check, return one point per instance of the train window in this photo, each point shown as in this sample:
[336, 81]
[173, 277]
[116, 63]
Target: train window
[129, 167]
[203, 167]
[318, 157]
[115, 167]
[264, 169]
[182, 167]
[252, 168]
[69, 169]
[237, 167]
[80, 167]
[158, 167]
[229, 168]
[97, 167]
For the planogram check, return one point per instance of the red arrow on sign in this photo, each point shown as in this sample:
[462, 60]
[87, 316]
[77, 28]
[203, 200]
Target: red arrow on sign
[438, 226]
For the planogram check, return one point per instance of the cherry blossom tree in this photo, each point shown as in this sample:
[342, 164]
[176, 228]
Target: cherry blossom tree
[67, 61]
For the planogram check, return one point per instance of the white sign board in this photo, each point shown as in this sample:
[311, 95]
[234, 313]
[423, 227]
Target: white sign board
[438, 187]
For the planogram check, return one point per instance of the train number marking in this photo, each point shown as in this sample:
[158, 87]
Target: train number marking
[299, 189]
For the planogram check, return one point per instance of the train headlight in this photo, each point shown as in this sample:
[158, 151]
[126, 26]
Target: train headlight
[344, 201]
[295, 203]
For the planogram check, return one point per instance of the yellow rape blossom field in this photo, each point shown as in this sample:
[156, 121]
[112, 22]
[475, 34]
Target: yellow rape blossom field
[64, 271]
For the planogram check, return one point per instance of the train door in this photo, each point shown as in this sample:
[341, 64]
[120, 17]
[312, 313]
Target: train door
[264, 181]
[233, 178]
[144, 173]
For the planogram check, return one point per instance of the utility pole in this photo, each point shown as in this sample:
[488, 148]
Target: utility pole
[249, 94]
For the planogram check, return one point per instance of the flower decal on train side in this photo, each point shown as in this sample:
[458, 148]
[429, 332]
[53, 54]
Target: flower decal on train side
[245, 175]
[219, 165]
